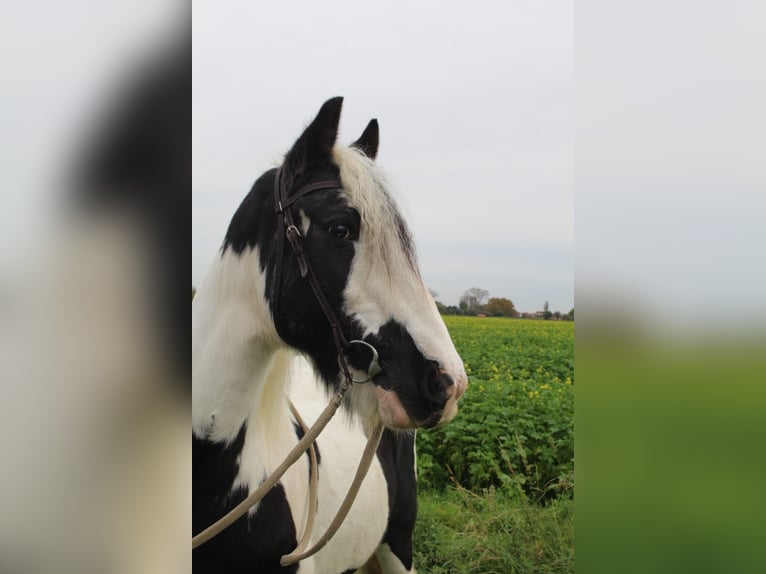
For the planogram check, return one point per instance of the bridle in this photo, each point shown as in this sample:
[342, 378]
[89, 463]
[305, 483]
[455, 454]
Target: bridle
[287, 230]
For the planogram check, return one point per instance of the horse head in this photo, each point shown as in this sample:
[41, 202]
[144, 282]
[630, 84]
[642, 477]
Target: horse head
[360, 251]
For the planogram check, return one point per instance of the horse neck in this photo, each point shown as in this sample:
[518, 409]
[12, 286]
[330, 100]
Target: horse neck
[234, 349]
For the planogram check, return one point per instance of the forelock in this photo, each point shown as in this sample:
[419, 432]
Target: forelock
[367, 190]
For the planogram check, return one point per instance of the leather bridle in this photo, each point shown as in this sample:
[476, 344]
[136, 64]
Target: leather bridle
[287, 230]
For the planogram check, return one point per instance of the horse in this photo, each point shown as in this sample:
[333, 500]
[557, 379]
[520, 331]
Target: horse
[316, 255]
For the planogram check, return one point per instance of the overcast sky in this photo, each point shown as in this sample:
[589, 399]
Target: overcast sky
[475, 104]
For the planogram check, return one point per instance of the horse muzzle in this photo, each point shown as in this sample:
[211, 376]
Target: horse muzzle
[437, 400]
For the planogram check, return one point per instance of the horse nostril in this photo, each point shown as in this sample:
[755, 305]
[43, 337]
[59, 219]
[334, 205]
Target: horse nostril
[439, 381]
[447, 380]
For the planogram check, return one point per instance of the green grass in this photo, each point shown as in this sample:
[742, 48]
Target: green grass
[512, 442]
[515, 428]
[459, 532]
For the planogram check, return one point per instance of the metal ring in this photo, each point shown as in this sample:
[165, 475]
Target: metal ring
[374, 367]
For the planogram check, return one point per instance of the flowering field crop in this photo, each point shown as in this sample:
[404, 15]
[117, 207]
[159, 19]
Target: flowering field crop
[515, 428]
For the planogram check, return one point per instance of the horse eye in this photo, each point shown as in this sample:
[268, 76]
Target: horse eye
[340, 232]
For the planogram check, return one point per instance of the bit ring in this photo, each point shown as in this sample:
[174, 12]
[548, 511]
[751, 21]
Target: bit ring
[374, 367]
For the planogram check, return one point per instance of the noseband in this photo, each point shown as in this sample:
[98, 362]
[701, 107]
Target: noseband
[287, 230]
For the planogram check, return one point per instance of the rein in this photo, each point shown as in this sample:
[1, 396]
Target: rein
[288, 230]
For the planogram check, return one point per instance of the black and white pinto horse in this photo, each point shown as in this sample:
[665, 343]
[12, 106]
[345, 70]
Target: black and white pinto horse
[257, 344]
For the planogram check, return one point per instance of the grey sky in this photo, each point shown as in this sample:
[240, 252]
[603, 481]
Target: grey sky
[475, 104]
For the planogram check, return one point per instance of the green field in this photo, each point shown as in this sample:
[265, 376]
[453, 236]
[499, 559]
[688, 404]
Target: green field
[497, 484]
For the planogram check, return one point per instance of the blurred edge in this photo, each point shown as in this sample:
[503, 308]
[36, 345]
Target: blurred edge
[670, 336]
[94, 365]
[669, 435]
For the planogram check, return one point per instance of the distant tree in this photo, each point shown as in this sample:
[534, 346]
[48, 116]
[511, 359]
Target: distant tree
[472, 300]
[500, 307]
[439, 305]
[557, 315]
[569, 316]
[546, 311]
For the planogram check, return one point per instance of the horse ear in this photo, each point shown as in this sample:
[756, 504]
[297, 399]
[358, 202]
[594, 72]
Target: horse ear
[318, 138]
[368, 141]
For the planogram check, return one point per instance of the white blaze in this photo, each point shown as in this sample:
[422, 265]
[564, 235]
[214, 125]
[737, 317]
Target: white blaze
[384, 283]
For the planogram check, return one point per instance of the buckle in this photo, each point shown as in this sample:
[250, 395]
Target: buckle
[293, 235]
